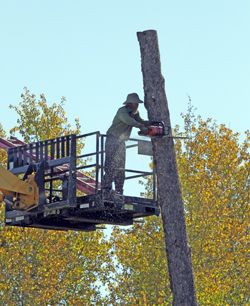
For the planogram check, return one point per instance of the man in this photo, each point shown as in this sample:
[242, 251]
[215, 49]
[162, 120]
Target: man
[125, 119]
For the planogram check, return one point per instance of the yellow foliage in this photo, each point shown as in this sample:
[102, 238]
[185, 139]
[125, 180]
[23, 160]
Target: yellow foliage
[41, 267]
[214, 172]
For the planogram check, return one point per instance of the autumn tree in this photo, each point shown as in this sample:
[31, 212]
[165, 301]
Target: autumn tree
[45, 267]
[214, 170]
[3, 159]
[141, 277]
[214, 166]
[37, 120]
[41, 267]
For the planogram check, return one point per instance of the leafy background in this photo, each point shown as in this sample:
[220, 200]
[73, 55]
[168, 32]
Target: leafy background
[128, 266]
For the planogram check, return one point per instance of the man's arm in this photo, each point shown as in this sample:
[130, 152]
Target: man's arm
[139, 119]
[126, 118]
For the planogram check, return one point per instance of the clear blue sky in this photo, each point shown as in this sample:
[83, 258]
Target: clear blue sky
[88, 52]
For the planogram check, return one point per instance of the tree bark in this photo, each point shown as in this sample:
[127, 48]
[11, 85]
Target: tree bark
[169, 190]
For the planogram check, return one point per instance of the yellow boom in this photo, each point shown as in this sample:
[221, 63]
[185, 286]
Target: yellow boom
[25, 193]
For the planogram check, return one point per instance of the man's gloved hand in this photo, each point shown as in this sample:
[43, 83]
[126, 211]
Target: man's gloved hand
[147, 123]
[143, 130]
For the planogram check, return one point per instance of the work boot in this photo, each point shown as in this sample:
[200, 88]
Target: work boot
[118, 196]
[107, 192]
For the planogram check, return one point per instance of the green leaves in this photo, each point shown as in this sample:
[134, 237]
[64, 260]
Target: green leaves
[39, 121]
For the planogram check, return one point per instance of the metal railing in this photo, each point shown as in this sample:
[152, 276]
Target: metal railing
[64, 156]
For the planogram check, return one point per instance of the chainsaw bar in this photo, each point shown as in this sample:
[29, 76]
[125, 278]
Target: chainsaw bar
[167, 136]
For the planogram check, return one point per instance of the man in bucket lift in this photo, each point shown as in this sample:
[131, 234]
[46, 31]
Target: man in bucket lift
[125, 119]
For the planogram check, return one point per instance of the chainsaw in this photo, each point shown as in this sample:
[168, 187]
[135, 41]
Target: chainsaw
[156, 129]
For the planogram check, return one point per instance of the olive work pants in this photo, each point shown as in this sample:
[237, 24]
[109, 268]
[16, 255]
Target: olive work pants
[114, 166]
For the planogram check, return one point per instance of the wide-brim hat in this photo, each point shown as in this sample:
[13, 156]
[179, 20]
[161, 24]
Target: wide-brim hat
[133, 98]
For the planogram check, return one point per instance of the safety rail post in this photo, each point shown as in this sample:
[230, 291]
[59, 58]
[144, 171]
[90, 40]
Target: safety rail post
[67, 145]
[102, 164]
[97, 161]
[102, 157]
[72, 172]
[52, 152]
[57, 148]
[41, 145]
[52, 149]
[37, 151]
[63, 146]
[46, 150]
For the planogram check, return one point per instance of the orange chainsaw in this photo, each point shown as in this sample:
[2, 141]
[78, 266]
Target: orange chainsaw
[156, 129]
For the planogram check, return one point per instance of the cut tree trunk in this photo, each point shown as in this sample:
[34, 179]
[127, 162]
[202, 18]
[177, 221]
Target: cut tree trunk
[169, 190]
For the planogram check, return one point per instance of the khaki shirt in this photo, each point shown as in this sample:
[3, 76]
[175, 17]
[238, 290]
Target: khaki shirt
[123, 123]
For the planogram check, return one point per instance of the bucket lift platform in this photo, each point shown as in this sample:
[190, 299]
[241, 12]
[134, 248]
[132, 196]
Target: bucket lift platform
[69, 182]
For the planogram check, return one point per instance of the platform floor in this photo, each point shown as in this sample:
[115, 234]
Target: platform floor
[87, 214]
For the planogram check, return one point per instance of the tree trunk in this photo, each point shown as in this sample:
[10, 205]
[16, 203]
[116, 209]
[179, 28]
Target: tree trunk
[169, 191]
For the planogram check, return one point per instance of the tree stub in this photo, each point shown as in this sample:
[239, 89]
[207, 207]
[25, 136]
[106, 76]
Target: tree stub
[169, 190]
